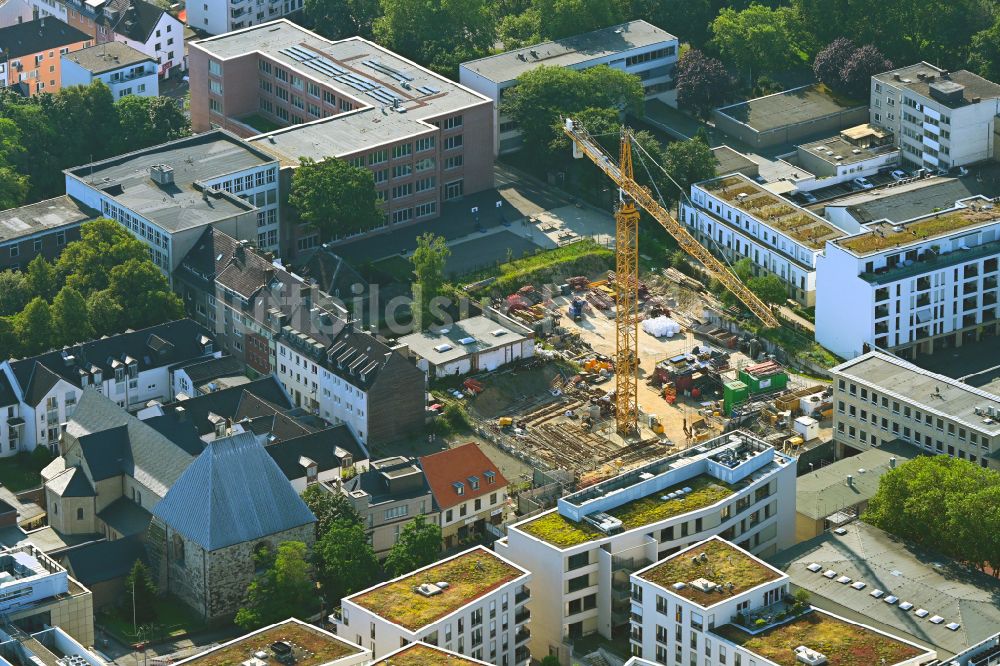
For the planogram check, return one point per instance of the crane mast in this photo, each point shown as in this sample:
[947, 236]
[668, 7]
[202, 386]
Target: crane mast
[627, 265]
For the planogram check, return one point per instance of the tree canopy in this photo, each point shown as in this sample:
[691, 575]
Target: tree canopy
[328, 507]
[758, 39]
[345, 561]
[428, 264]
[702, 82]
[340, 19]
[337, 198]
[284, 589]
[141, 593]
[419, 545]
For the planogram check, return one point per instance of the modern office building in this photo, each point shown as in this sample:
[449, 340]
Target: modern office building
[30, 54]
[716, 604]
[425, 138]
[939, 119]
[636, 47]
[855, 152]
[737, 217]
[167, 195]
[582, 552]
[879, 398]
[42, 228]
[123, 69]
[471, 603]
[915, 287]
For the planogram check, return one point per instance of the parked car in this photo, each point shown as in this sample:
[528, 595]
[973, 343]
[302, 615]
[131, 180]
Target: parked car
[808, 197]
[861, 183]
[899, 175]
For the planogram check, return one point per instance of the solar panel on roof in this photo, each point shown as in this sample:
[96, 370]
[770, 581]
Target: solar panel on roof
[427, 90]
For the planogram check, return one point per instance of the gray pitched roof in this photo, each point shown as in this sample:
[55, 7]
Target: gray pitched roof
[104, 560]
[232, 493]
[71, 483]
[141, 451]
[125, 517]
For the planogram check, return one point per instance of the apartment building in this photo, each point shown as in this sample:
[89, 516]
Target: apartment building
[31, 52]
[42, 228]
[716, 604]
[291, 640]
[469, 491]
[131, 369]
[217, 18]
[582, 553]
[471, 603]
[735, 216]
[36, 593]
[484, 342]
[855, 152]
[636, 47]
[123, 69]
[422, 653]
[879, 398]
[939, 119]
[167, 195]
[388, 495]
[915, 287]
[425, 138]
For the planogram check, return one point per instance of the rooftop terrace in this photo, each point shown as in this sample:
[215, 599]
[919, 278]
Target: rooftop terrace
[770, 209]
[884, 235]
[419, 654]
[310, 646]
[716, 561]
[469, 575]
[842, 643]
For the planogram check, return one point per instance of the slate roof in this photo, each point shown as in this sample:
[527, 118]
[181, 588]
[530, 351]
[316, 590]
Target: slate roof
[137, 19]
[318, 446]
[125, 517]
[22, 39]
[200, 372]
[232, 493]
[154, 347]
[458, 465]
[71, 483]
[102, 561]
[132, 447]
[7, 395]
[262, 397]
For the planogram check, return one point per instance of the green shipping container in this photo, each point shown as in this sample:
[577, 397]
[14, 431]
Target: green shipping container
[733, 393]
[764, 384]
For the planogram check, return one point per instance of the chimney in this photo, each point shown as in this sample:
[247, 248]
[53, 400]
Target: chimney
[305, 295]
[850, 481]
[892, 463]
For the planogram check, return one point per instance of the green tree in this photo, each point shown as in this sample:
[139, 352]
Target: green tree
[687, 162]
[105, 313]
[419, 544]
[344, 560]
[758, 39]
[41, 277]
[86, 264]
[518, 30]
[431, 32]
[148, 121]
[10, 344]
[339, 19]
[328, 507]
[690, 18]
[285, 589]
[14, 292]
[70, 319]
[34, 327]
[43, 164]
[984, 52]
[140, 593]
[13, 188]
[550, 660]
[768, 288]
[336, 197]
[565, 18]
[92, 107]
[144, 294]
[428, 264]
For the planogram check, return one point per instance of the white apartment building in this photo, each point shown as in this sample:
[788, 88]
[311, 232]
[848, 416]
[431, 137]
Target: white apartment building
[879, 398]
[123, 69]
[167, 195]
[735, 216]
[471, 603]
[582, 552]
[940, 119]
[217, 18]
[916, 287]
[716, 604]
[635, 47]
[863, 150]
[39, 394]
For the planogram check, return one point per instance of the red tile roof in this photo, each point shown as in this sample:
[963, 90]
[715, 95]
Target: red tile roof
[459, 465]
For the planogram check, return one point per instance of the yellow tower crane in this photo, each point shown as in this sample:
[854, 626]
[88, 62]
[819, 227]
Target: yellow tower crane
[627, 265]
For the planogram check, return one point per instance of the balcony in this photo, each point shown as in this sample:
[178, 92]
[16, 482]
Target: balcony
[881, 311]
[521, 655]
[923, 300]
[522, 615]
[522, 635]
[970, 287]
[881, 327]
[522, 596]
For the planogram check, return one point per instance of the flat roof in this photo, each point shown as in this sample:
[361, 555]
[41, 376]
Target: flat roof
[836, 150]
[903, 574]
[729, 160]
[311, 646]
[570, 51]
[823, 492]
[469, 575]
[43, 217]
[769, 209]
[906, 201]
[422, 654]
[484, 333]
[789, 107]
[935, 393]
[881, 236]
[922, 76]
[107, 57]
[842, 643]
[714, 560]
[180, 205]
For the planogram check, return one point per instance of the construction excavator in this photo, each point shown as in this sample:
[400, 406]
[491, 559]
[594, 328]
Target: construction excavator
[627, 265]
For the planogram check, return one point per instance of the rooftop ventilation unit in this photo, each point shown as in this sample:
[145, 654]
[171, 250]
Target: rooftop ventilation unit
[498, 332]
[429, 589]
[443, 348]
[162, 174]
[606, 523]
[811, 657]
[703, 585]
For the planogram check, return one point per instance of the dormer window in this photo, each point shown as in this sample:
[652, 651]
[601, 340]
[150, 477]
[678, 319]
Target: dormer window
[119, 374]
[98, 377]
[459, 487]
[133, 370]
[474, 482]
[490, 475]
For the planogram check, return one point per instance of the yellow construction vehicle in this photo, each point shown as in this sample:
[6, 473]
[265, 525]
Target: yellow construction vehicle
[627, 265]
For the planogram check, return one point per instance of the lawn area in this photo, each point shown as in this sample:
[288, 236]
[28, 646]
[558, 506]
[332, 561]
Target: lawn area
[843, 643]
[469, 577]
[173, 618]
[310, 647]
[584, 257]
[260, 123]
[17, 474]
[723, 564]
[564, 533]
